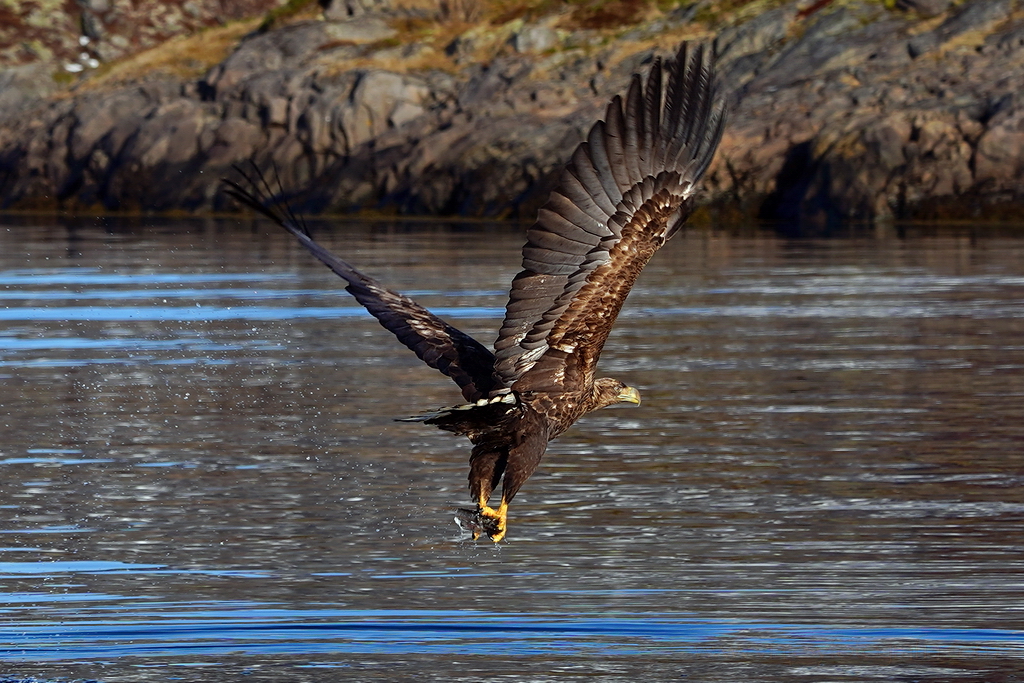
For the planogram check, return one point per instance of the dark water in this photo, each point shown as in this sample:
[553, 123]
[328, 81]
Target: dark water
[201, 478]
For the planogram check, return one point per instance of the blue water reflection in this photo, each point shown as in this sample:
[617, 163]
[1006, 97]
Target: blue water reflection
[201, 475]
[179, 630]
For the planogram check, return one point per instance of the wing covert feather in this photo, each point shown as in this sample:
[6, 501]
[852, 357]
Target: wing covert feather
[626, 190]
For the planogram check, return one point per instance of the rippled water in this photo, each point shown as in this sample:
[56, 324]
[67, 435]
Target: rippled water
[201, 477]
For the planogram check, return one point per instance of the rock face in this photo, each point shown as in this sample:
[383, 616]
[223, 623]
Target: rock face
[838, 112]
[864, 118]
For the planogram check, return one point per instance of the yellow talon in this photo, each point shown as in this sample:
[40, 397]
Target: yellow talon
[499, 516]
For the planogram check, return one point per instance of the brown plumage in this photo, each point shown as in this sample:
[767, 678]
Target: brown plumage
[627, 189]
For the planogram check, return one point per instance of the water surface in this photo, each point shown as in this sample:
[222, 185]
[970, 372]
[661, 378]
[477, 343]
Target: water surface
[201, 477]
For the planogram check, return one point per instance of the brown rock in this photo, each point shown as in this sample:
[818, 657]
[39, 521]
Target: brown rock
[1000, 152]
[234, 141]
[831, 119]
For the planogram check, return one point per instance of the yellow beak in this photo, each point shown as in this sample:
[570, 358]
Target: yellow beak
[630, 395]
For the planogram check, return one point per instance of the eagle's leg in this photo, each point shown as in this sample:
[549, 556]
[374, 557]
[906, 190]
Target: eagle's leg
[496, 524]
[486, 465]
[481, 504]
[484, 519]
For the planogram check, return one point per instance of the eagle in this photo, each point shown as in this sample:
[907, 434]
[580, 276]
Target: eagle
[627, 189]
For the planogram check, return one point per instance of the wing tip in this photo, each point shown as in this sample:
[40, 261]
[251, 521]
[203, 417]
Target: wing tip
[260, 196]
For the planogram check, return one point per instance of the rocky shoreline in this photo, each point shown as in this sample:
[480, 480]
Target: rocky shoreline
[839, 111]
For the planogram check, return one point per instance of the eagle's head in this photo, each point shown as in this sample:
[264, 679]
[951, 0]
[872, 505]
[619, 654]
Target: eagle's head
[608, 391]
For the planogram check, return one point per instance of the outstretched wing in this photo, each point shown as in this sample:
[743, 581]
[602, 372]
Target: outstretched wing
[437, 343]
[626, 190]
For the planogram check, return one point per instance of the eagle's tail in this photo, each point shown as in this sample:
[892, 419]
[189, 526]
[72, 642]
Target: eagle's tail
[454, 414]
